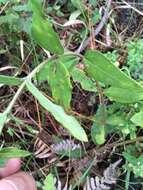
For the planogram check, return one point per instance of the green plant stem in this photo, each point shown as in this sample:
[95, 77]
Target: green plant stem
[8, 109]
[20, 89]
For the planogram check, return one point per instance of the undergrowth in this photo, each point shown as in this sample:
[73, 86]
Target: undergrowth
[71, 97]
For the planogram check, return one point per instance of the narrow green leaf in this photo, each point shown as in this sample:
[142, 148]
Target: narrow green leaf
[100, 68]
[36, 6]
[98, 128]
[11, 81]
[69, 122]
[138, 119]
[13, 152]
[42, 31]
[49, 183]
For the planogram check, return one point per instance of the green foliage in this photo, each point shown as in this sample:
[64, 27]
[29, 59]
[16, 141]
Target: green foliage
[100, 68]
[11, 152]
[42, 31]
[98, 134]
[96, 16]
[112, 56]
[59, 81]
[11, 81]
[49, 183]
[69, 122]
[66, 68]
[137, 119]
[85, 82]
[135, 164]
[118, 120]
[98, 127]
[12, 20]
[37, 7]
[135, 58]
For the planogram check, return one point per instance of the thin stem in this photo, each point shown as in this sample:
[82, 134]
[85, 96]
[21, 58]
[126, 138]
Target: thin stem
[29, 77]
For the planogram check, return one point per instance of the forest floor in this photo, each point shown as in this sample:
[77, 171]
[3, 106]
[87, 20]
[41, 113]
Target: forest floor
[32, 128]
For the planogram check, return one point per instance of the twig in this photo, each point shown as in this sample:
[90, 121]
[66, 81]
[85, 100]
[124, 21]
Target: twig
[98, 28]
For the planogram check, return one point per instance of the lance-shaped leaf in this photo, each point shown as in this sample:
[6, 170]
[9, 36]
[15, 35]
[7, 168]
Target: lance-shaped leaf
[43, 33]
[100, 68]
[59, 81]
[36, 6]
[13, 152]
[11, 81]
[98, 127]
[124, 95]
[69, 122]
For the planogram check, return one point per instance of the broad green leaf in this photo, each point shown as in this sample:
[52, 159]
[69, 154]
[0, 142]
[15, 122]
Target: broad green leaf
[7, 80]
[59, 81]
[116, 120]
[98, 128]
[49, 183]
[98, 133]
[124, 95]
[43, 33]
[135, 164]
[80, 77]
[69, 62]
[36, 6]
[100, 68]
[3, 118]
[45, 36]
[69, 122]
[13, 152]
[138, 119]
